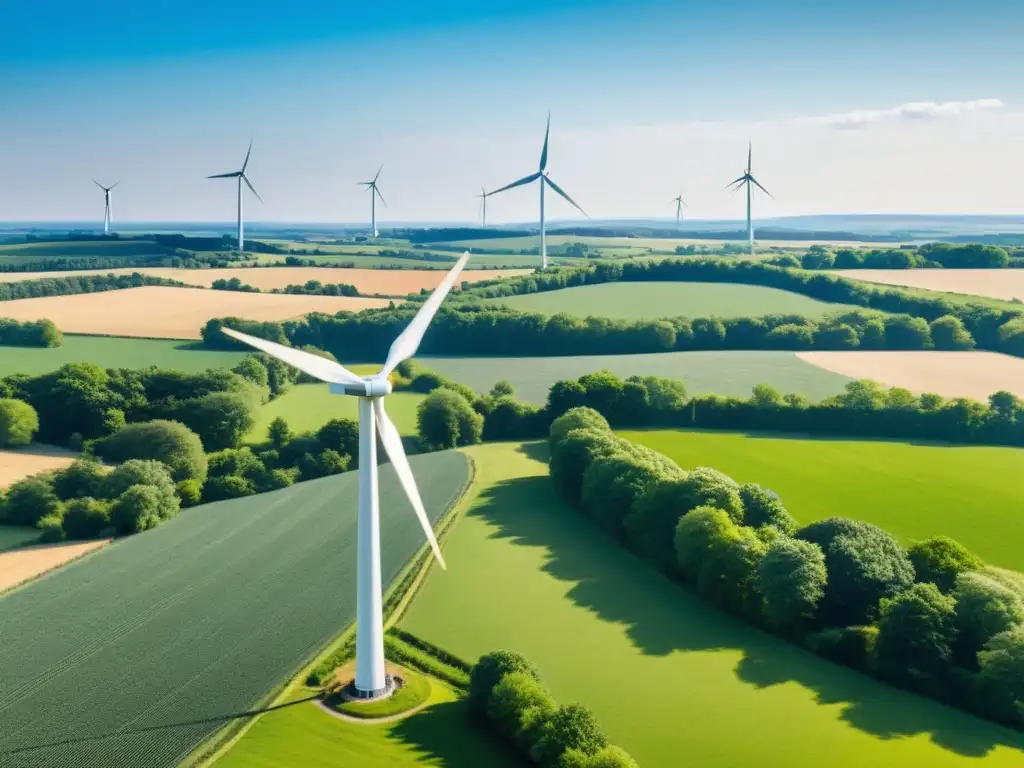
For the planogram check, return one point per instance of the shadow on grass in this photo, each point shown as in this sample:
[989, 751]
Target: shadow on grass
[449, 735]
[661, 618]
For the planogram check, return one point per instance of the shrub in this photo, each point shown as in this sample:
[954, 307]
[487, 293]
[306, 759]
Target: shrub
[502, 388]
[221, 419]
[940, 560]
[51, 529]
[85, 518]
[84, 477]
[189, 491]
[728, 571]
[851, 646]
[516, 703]
[279, 432]
[139, 508]
[1001, 679]
[792, 578]
[227, 487]
[30, 500]
[170, 442]
[234, 461]
[762, 507]
[612, 484]
[573, 455]
[570, 727]
[984, 608]
[609, 757]
[915, 633]
[696, 533]
[576, 418]
[19, 423]
[446, 420]
[948, 332]
[137, 472]
[341, 435]
[489, 671]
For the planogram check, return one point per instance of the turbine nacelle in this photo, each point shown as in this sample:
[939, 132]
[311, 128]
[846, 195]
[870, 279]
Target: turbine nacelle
[371, 386]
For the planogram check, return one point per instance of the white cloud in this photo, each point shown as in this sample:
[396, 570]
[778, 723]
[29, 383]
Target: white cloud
[915, 110]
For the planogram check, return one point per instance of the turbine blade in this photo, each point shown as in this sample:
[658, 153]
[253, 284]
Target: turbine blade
[408, 340]
[246, 163]
[225, 175]
[316, 366]
[392, 443]
[750, 154]
[561, 191]
[544, 152]
[378, 173]
[99, 185]
[113, 185]
[251, 187]
[761, 188]
[525, 180]
[377, 190]
[737, 181]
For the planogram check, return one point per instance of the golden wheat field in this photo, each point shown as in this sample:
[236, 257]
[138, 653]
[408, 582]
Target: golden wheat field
[171, 313]
[951, 374]
[26, 563]
[388, 282]
[1003, 284]
[30, 460]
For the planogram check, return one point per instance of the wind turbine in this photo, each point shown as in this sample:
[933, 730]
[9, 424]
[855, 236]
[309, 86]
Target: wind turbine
[240, 175]
[483, 205]
[545, 181]
[746, 180]
[374, 194]
[680, 204]
[106, 208]
[371, 680]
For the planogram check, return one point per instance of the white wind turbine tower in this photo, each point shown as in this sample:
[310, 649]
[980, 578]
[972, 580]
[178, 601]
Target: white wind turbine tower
[240, 175]
[680, 204]
[371, 679]
[374, 194]
[483, 205]
[106, 208]
[545, 181]
[747, 179]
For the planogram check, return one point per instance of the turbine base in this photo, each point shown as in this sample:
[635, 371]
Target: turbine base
[353, 693]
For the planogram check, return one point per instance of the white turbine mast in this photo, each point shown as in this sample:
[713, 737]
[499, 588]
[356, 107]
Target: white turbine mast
[747, 180]
[106, 207]
[374, 194]
[240, 175]
[545, 181]
[680, 204]
[371, 680]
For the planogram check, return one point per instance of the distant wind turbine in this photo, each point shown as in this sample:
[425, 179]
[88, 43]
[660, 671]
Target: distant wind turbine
[240, 175]
[483, 205]
[545, 181]
[106, 208]
[374, 194]
[747, 179]
[680, 204]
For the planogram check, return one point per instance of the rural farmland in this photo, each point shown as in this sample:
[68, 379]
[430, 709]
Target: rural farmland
[171, 313]
[636, 301]
[1006, 284]
[27, 562]
[22, 462]
[136, 654]
[602, 623]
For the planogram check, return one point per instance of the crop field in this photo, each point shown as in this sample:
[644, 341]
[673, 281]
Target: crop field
[25, 252]
[16, 536]
[28, 562]
[953, 374]
[115, 352]
[724, 373]
[636, 301]
[30, 460]
[668, 676]
[134, 655]
[637, 246]
[1004, 284]
[912, 490]
[171, 313]
[307, 407]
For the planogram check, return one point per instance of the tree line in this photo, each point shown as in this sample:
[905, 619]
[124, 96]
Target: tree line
[933, 619]
[67, 286]
[30, 333]
[929, 256]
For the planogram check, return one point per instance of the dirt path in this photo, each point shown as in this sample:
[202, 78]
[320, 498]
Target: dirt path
[370, 720]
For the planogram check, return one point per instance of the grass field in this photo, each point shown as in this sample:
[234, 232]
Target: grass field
[171, 313]
[16, 536]
[635, 301]
[308, 407]
[724, 373]
[115, 352]
[23, 252]
[670, 678]
[134, 655]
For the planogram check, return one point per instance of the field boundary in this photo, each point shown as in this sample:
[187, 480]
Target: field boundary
[33, 579]
[211, 749]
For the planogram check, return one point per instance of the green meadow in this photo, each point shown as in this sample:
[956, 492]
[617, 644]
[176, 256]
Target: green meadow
[12, 536]
[672, 680]
[637, 301]
[914, 491]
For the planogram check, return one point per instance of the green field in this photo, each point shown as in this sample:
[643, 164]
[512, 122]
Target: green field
[672, 680]
[724, 373]
[16, 536]
[913, 491]
[115, 352]
[304, 736]
[136, 654]
[637, 301]
[25, 252]
[308, 407]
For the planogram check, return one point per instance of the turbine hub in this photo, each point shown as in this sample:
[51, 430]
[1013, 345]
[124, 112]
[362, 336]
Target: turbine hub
[371, 386]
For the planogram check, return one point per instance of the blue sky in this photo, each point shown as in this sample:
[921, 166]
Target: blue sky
[646, 98]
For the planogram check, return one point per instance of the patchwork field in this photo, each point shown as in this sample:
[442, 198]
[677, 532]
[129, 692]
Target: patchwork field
[136, 654]
[724, 373]
[390, 282]
[953, 374]
[22, 462]
[1004, 284]
[639, 245]
[669, 677]
[115, 352]
[171, 313]
[28, 562]
[308, 407]
[913, 491]
[636, 301]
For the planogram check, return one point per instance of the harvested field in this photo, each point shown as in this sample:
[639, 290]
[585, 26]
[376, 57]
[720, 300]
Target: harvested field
[22, 462]
[952, 374]
[170, 313]
[1003, 284]
[26, 563]
[390, 282]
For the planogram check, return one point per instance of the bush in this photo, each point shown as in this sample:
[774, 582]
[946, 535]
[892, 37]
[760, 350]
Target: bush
[227, 487]
[915, 633]
[30, 500]
[573, 455]
[570, 727]
[137, 472]
[609, 757]
[728, 571]
[762, 507]
[851, 646]
[446, 419]
[697, 532]
[940, 560]
[341, 435]
[489, 671]
[576, 418]
[613, 484]
[84, 477]
[792, 578]
[984, 608]
[221, 419]
[189, 491]
[139, 508]
[948, 332]
[51, 529]
[1001, 679]
[18, 423]
[517, 703]
[170, 442]
[279, 432]
[85, 518]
